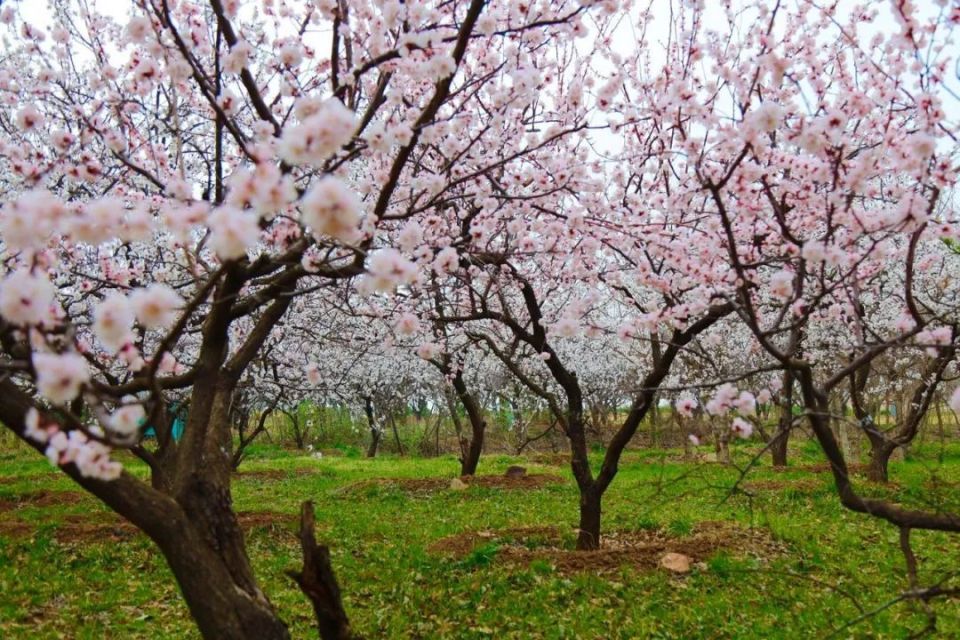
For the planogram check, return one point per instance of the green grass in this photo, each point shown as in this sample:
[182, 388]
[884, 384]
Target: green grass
[395, 587]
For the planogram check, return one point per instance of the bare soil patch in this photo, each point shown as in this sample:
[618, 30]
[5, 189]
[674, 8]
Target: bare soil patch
[461, 544]
[82, 528]
[41, 498]
[275, 474]
[639, 549]
[430, 485]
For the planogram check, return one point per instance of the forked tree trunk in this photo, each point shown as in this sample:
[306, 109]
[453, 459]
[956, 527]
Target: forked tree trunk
[877, 470]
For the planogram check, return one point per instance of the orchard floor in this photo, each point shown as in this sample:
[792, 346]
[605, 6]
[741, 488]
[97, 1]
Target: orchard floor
[777, 559]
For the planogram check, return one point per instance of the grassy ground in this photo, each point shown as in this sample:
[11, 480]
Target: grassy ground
[66, 570]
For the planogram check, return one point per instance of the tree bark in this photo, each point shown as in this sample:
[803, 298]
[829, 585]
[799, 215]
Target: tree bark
[471, 455]
[877, 470]
[778, 448]
[588, 536]
[319, 584]
[375, 433]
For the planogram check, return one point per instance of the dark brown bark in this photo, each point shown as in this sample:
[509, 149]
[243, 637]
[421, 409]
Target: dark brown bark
[470, 456]
[245, 440]
[197, 532]
[396, 434]
[588, 535]
[778, 447]
[818, 414]
[375, 433]
[877, 469]
[319, 584]
[909, 417]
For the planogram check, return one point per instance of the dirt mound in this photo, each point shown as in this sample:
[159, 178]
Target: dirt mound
[43, 498]
[431, 485]
[275, 474]
[640, 549]
[109, 527]
[462, 544]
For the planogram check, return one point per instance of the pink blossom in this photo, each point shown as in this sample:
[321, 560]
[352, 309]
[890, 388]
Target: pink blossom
[428, 350]
[781, 285]
[319, 135]
[33, 429]
[113, 321]
[686, 406]
[447, 260]
[955, 400]
[565, 328]
[387, 268]
[156, 305]
[407, 325]
[98, 221]
[741, 428]
[626, 331]
[29, 118]
[291, 54]
[330, 208]
[25, 297]
[813, 251]
[232, 232]
[28, 222]
[60, 376]
[722, 399]
[126, 420]
[138, 28]
[745, 403]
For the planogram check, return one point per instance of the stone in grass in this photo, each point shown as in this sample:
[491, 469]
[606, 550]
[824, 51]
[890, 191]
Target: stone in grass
[458, 485]
[675, 563]
[515, 472]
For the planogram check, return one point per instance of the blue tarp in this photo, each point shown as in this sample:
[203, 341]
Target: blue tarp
[178, 423]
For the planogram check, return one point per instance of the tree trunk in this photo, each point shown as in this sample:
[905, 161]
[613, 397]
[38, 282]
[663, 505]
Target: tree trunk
[470, 451]
[319, 583]
[588, 537]
[778, 448]
[221, 608]
[396, 435]
[723, 446]
[880, 451]
[469, 463]
[375, 433]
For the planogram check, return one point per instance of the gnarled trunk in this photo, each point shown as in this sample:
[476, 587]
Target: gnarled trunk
[217, 584]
